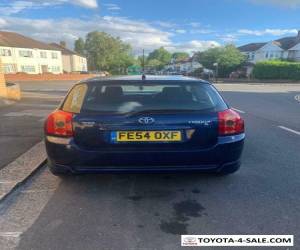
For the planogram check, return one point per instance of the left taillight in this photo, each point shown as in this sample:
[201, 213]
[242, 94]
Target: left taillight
[59, 123]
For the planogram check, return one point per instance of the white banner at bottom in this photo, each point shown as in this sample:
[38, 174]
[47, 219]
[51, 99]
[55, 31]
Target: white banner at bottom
[237, 240]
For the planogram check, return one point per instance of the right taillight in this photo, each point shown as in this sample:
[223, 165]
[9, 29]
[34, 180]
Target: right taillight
[230, 123]
[59, 123]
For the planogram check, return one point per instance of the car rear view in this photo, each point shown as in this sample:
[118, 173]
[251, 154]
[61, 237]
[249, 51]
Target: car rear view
[134, 125]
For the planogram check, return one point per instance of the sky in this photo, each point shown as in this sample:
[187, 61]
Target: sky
[190, 25]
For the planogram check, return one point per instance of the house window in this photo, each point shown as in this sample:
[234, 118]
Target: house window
[54, 55]
[28, 68]
[55, 69]
[271, 55]
[252, 56]
[43, 54]
[5, 52]
[25, 53]
[9, 68]
[267, 55]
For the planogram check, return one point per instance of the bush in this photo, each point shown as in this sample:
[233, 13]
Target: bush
[277, 70]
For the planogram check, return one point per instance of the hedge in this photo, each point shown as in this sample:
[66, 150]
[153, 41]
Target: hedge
[277, 70]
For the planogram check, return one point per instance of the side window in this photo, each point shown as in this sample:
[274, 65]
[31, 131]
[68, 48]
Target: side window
[75, 99]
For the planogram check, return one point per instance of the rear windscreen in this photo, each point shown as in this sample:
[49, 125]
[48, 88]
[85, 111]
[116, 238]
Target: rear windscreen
[128, 98]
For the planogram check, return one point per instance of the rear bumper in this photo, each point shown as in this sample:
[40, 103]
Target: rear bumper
[70, 157]
[143, 169]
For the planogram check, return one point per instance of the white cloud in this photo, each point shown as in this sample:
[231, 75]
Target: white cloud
[165, 24]
[180, 31]
[3, 23]
[195, 24]
[283, 3]
[112, 6]
[201, 31]
[140, 34]
[85, 3]
[14, 7]
[193, 46]
[228, 38]
[273, 32]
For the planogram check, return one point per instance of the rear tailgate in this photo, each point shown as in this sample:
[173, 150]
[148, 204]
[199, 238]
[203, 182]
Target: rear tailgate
[95, 132]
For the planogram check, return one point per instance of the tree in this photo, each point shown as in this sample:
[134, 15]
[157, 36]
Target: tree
[161, 55]
[154, 64]
[208, 57]
[178, 56]
[229, 58]
[79, 46]
[105, 52]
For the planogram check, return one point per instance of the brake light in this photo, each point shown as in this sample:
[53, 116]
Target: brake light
[230, 123]
[59, 123]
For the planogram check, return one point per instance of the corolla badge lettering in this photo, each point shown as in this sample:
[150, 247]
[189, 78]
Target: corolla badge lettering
[146, 120]
[205, 123]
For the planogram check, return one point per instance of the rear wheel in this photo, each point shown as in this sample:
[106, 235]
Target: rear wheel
[229, 169]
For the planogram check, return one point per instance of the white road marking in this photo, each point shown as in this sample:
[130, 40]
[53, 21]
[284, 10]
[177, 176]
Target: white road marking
[290, 130]
[6, 182]
[31, 112]
[238, 110]
[47, 90]
[10, 234]
[41, 96]
[38, 190]
[297, 98]
[38, 105]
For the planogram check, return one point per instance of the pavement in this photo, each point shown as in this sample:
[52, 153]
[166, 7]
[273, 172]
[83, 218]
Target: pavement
[149, 211]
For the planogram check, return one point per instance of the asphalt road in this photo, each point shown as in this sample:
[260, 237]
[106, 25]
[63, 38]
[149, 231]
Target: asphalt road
[152, 211]
[21, 124]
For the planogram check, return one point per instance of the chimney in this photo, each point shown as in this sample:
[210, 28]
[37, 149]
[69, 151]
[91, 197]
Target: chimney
[63, 44]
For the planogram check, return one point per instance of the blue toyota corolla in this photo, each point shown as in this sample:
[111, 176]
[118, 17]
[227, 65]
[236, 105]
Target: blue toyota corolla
[135, 124]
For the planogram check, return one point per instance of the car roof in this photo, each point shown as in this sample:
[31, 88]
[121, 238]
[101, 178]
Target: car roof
[149, 79]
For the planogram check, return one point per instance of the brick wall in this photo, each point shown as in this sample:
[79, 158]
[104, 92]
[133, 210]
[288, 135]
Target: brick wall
[3, 90]
[46, 77]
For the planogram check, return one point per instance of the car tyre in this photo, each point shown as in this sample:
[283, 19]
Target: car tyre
[229, 169]
[58, 171]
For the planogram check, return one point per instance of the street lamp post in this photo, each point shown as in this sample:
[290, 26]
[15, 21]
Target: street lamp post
[143, 62]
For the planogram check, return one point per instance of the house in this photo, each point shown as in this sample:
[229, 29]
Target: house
[19, 53]
[189, 65]
[72, 61]
[183, 66]
[284, 48]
